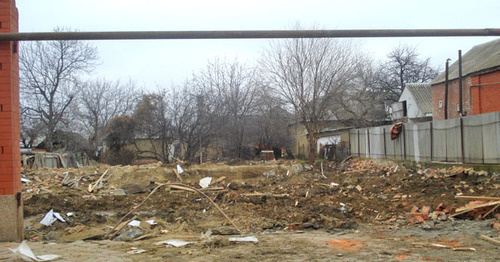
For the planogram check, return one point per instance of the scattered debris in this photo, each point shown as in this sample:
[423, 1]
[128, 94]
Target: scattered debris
[478, 208]
[244, 239]
[51, 217]
[25, 253]
[354, 192]
[270, 174]
[205, 182]
[174, 243]
[98, 182]
[130, 234]
[179, 169]
[491, 240]
[436, 245]
[134, 223]
[151, 222]
[134, 250]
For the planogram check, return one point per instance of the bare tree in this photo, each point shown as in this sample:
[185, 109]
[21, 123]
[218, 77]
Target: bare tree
[234, 91]
[30, 128]
[403, 66]
[361, 104]
[307, 74]
[269, 129]
[154, 134]
[195, 121]
[101, 100]
[49, 79]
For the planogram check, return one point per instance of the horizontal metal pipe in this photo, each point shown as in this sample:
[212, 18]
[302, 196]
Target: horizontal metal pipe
[254, 34]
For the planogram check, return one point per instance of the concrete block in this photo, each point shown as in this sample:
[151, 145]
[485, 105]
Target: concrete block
[11, 218]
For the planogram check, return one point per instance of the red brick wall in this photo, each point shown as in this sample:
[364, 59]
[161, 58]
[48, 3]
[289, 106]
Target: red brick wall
[10, 157]
[485, 93]
[453, 98]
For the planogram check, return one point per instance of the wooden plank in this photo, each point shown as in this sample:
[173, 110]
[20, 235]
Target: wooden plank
[460, 211]
[478, 198]
[489, 239]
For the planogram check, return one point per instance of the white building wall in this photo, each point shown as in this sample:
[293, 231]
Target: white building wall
[411, 106]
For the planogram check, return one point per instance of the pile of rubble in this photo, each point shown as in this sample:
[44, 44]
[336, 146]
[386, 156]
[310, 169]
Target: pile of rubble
[138, 202]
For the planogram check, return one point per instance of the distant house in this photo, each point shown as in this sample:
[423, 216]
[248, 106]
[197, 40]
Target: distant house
[333, 143]
[299, 146]
[480, 84]
[415, 103]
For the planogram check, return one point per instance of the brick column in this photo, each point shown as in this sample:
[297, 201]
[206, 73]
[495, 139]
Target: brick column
[11, 209]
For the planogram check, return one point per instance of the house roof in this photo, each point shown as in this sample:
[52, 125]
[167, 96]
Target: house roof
[481, 58]
[422, 94]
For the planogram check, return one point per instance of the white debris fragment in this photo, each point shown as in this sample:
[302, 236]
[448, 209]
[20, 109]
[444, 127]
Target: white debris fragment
[49, 218]
[205, 182]
[24, 180]
[174, 243]
[58, 216]
[25, 253]
[244, 239]
[179, 169]
[134, 250]
[151, 222]
[69, 214]
[134, 223]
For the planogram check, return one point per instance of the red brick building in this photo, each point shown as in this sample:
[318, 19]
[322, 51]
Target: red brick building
[480, 83]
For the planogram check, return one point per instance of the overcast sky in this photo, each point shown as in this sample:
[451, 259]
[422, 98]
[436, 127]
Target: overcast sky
[162, 62]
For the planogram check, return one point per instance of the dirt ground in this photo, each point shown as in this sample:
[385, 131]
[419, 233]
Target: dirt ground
[358, 210]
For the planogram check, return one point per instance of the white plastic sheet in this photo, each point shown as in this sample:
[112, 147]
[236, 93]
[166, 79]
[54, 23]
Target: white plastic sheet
[25, 253]
[179, 169]
[51, 217]
[174, 242]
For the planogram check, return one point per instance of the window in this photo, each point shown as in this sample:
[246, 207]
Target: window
[405, 109]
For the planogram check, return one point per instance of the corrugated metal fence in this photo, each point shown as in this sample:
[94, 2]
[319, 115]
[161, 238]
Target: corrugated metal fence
[472, 139]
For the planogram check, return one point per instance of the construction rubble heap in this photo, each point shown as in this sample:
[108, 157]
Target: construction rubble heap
[154, 201]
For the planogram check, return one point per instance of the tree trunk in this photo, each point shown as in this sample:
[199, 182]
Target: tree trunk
[312, 148]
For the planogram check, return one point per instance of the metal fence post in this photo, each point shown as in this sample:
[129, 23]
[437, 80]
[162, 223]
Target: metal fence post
[432, 139]
[403, 136]
[462, 139]
[359, 147]
[385, 149]
[368, 137]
